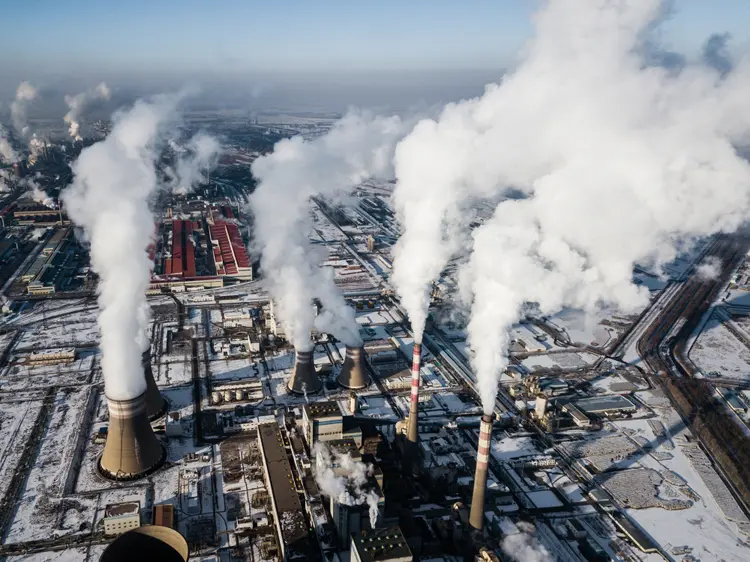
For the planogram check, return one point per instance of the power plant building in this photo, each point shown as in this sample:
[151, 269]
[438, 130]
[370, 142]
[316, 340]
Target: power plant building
[289, 515]
[324, 421]
[182, 261]
[353, 519]
[121, 517]
[380, 545]
[229, 254]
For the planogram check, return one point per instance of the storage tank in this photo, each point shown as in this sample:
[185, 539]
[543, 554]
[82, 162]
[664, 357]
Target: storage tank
[216, 397]
[227, 394]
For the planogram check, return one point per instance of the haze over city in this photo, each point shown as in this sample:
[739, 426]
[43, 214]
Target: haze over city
[375, 282]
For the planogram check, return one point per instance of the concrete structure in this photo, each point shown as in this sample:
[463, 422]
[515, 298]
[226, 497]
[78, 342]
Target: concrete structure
[156, 405]
[353, 374]
[353, 519]
[304, 380]
[412, 436]
[380, 545]
[476, 518]
[52, 356]
[148, 542]
[353, 403]
[541, 406]
[322, 421]
[121, 517]
[132, 450]
[289, 515]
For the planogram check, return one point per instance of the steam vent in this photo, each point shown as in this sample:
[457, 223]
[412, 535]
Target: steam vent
[353, 375]
[476, 518]
[304, 379]
[132, 450]
[156, 405]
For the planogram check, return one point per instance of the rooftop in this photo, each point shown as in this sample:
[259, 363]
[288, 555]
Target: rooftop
[381, 544]
[322, 409]
[122, 509]
[600, 404]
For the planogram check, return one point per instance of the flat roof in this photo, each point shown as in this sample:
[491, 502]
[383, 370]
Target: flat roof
[121, 509]
[598, 404]
[323, 409]
[381, 544]
[286, 501]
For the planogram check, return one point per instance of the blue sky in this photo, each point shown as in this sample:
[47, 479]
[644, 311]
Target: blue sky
[292, 36]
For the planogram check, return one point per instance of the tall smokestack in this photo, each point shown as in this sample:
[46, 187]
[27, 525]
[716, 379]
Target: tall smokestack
[132, 450]
[353, 375]
[476, 518]
[416, 362]
[304, 379]
[156, 405]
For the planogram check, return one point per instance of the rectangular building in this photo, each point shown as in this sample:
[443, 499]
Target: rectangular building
[230, 256]
[380, 545]
[182, 262]
[164, 515]
[322, 421]
[121, 517]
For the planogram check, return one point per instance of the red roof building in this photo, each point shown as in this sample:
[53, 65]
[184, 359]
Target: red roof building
[182, 262]
[230, 256]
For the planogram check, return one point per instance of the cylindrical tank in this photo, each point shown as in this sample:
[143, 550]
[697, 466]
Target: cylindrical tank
[239, 394]
[216, 397]
[227, 394]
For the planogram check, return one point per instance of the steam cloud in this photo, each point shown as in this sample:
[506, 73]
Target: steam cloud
[524, 547]
[109, 196]
[342, 478]
[202, 154]
[358, 147]
[7, 153]
[38, 194]
[25, 94]
[77, 104]
[618, 164]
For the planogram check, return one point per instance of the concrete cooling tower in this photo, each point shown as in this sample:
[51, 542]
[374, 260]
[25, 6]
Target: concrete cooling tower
[132, 450]
[148, 542]
[353, 375]
[304, 380]
[156, 405]
[476, 518]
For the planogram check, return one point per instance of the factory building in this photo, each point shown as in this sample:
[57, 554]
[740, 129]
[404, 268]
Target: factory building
[380, 545]
[289, 515]
[353, 519]
[44, 272]
[182, 261]
[229, 254]
[606, 405]
[324, 421]
[121, 517]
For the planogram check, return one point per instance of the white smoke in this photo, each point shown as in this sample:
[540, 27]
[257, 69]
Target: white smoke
[524, 546]
[356, 148]
[76, 105]
[343, 478]
[618, 163]
[202, 153]
[109, 198]
[7, 154]
[709, 268]
[38, 194]
[25, 94]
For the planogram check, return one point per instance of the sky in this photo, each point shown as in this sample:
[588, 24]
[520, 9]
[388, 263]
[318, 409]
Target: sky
[183, 40]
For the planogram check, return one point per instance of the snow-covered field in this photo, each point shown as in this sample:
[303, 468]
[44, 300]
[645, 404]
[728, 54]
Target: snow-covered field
[719, 352]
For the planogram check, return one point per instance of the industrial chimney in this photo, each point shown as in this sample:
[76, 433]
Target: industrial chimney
[304, 379]
[416, 363]
[156, 405]
[353, 375]
[132, 450]
[476, 518]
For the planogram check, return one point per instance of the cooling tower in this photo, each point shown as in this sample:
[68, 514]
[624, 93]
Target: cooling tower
[132, 450]
[353, 374]
[148, 542]
[476, 518]
[156, 405]
[304, 379]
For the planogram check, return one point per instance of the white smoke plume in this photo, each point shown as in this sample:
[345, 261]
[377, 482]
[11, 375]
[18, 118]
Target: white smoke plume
[710, 268]
[109, 199]
[342, 478]
[25, 94]
[38, 194]
[356, 148]
[77, 104]
[613, 168]
[202, 153]
[524, 546]
[7, 154]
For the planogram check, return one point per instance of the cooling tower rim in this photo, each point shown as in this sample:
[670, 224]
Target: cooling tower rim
[300, 393]
[101, 471]
[162, 411]
[338, 380]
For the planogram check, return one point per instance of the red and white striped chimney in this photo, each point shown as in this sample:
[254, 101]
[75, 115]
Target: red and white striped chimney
[476, 518]
[416, 362]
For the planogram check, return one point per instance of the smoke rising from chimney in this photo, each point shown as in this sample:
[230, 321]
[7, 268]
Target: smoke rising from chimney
[7, 154]
[77, 104]
[524, 546]
[202, 153]
[38, 194]
[358, 147]
[344, 483]
[25, 94]
[109, 199]
[618, 163]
